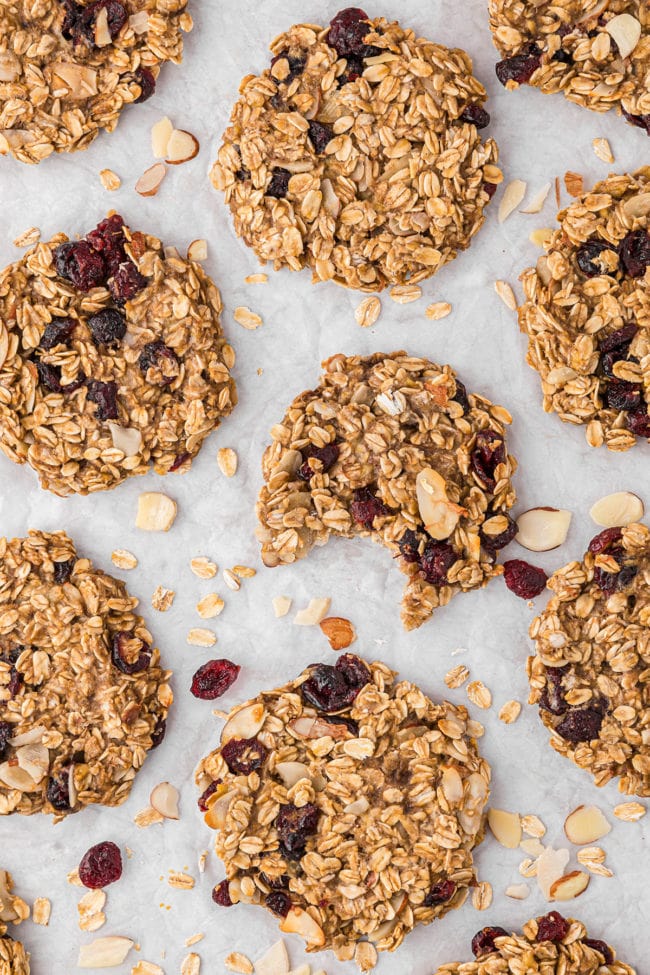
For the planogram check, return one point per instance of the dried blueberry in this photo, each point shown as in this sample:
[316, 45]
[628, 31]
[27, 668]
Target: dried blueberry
[634, 251]
[327, 456]
[562, 56]
[107, 327]
[104, 396]
[354, 69]
[460, 396]
[552, 698]
[552, 927]
[521, 67]
[6, 732]
[475, 115]
[295, 825]
[494, 543]
[77, 262]
[320, 135]
[279, 184]
[58, 332]
[366, 507]
[58, 790]
[213, 679]
[129, 653]
[588, 254]
[126, 282]
[436, 561]
[296, 66]
[158, 363]
[600, 946]
[63, 571]
[244, 755]
[483, 941]
[525, 580]
[580, 724]
[101, 865]
[440, 893]
[278, 903]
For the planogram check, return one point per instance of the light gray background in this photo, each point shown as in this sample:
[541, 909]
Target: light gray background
[539, 137]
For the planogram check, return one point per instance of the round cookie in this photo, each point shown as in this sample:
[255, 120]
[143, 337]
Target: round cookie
[83, 697]
[112, 359]
[551, 944]
[67, 69]
[347, 804]
[392, 447]
[596, 53]
[589, 674]
[358, 153]
[14, 960]
[586, 313]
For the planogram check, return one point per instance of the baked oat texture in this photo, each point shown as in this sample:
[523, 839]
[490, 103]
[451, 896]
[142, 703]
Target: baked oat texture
[88, 401]
[350, 458]
[83, 697]
[368, 166]
[587, 313]
[565, 45]
[590, 674]
[393, 787]
[14, 960]
[64, 76]
[551, 944]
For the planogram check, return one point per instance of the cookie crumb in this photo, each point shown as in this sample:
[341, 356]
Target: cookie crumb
[110, 180]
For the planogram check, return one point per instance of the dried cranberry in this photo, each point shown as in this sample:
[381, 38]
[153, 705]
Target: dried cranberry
[338, 721]
[15, 682]
[202, 801]
[116, 15]
[611, 582]
[563, 56]
[145, 78]
[76, 261]
[483, 941]
[6, 732]
[69, 27]
[104, 396]
[588, 254]
[107, 326]
[58, 790]
[521, 67]
[460, 396]
[436, 561]
[440, 893]
[634, 251]
[354, 69]
[552, 698]
[409, 546]
[244, 755]
[327, 455]
[49, 376]
[332, 688]
[604, 540]
[580, 724]
[126, 282]
[320, 135]
[354, 671]
[489, 451]
[129, 653]
[158, 733]
[347, 32]
[641, 121]
[600, 946]
[639, 423]
[366, 507]
[279, 185]
[620, 339]
[295, 825]
[490, 189]
[58, 332]
[552, 927]
[242, 174]
[620, 395]
[221, 894]
[108, 240]
[179, 461]
[158, 363]
[475, 115]
[278, 903]
[63, 571]
[523, 579]
[275, 883]
[101, 865]
[494, 543]
[213, 679]
[296, 66]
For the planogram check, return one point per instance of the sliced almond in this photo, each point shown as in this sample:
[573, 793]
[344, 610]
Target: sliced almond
[569, 886]
[551, 865]
[312, 728]
[315, 612]
[182, 147]
[164, 799]
[617, 510]
[126, 439]
[156, 512]
[585, 825]
[512, 197]
[244, 723]
[281, 605]
[358, 807]
[149, 183]
[275, 961]
[543, 529]
[532, 846]
[537, 201]
[218, 805]
[34, 759]
[626, 31]
[16, 778]
[505, 827]
[518, 892]
[161, 133]
[338, 631]
[79, 80]
[506, 294]
[300, 922]
[292, 772]
[198, 250]
[102, 33]
[440, 516]
[104, 952]
[34, 736]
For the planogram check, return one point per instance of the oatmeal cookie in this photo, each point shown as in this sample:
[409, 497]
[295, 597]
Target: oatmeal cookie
[14, 960]
[551, 944]
[590, 672]
[82, 694]
[587, 313]
[112, 359]
[393, 448]
[68, 68]
[358, 153]
[347, 804]
[596, 52]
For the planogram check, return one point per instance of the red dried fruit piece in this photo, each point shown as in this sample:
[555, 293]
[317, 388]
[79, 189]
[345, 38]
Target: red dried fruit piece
[552, 698]
[107, 327]
[483, 941]
[587, 256]
[521, 67]
[158, 733]
[129, 653]
[108, 240]
[221, 894]
[279, 184]
[604, 540]
[147, 81]
[104, 396]
[77, 262]
[63, 571]
[278, 903]
[101, 865]
[202, 801]
[116, 16]
[295, 825]
[320, 135]
[347, 33]
[409, 546]
[58, 790]
[639, 423]
[494, 543]
[49, 376]
[634, 251]
[620, 339]
[332, 688]
[475, 115]
[580, 724]
[640, 121]
[490, 189]
[525, 580]
[58, 332]
[366, 507]
[354, 671]
[244, 755]
[126, 283]
[489, 451]
[436, 561]
[621, 395]
[600, 946]
[440, 893]
[15, 682]
[327, 455]
[214, 678]
[552, 927]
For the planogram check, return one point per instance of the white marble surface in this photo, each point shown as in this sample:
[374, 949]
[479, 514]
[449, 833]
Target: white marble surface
[540, 137]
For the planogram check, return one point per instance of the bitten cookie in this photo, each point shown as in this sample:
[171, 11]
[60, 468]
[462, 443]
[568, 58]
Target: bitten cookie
[347, 804]
[112, 359]
[589, 673]
[358, 153]
[587, 313]
[392, 447]
[83, 697]
[597, 53]
[68, 69]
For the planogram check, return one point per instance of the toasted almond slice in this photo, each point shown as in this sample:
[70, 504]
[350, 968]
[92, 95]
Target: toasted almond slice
[292, 772]
[551, 865]
[126, 439]
[156, 512]
[338, 631]
[617, 510]
[198, 250]
[626, 31]
[17, 778]
[574, 183]
[182, 147]
[585, 825]
[537, 201]
[164, 799]
[161, 133]
[218, 805]
[102, 33]
[300, 922]
[315, 612]
[512, 197]
[79, 79]
[439, 514]
[281, 605]
[630, 812]
[149, 183]
[543, 529]
[505, 827]
[244, 723]
[569, 886]
[104, 952]
[518, 892]
[227, 461]
[506, 294]
[275, 961]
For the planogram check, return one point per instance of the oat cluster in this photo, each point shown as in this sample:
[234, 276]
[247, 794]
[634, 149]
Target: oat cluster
[14, 960]
[587, 313]
[590, 674]
[83, 697]
[366, 166]
[350, 822]
[346, 459]
[62, 81]
[564, 46]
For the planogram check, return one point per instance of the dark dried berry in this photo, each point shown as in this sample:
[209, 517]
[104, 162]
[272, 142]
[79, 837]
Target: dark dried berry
[521, 67]
[296, 67]
[279, 185]
[244, 755]
[58, 332]
[58, 790]
[101, 865]
[552, 698]
[490, 189]
[49, 376]
[489, 451]
[563, 56]
[158, 363]
[221, 894]
[202, 801]
[338, 721]
[588, 254]
[366, 507]
[409, 546]
[354, 671]
[634, 251]
[63, 571]
[475, 115]
[158, 733]
[129, 653]
[354, 69]
[436, 561]
[332, 688]
[321, 135]
[327, 455]
[116, 15]
[580, 724]
[494, 543]
[242, 174]
[6, 732]
[483, 941]
[620, 339]
[15, 682]
[552, 927]
[145, 78]
[347, 32]
[440, 893]
[639, 423]
[275, 883]
[525, 580]
[620, 395]
[604, 540]
[104, 396]
[77, 262]
[600, 946]
[126, 282]
[214, 678]
[640, 121]
[108, 240]
[460, 396]
[179, 461]
[278, 903]
[107, 326]
[295, 825]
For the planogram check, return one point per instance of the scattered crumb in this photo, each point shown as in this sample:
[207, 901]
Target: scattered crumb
[110, 180]
[256, 278]
[162, 599]
[227, 461]
[247, 318]
[203, 567]
[438, 310]
[123, 559]
[603, 150]
[506, 294]
[281, 605]
[198, 637]
[28, 237]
